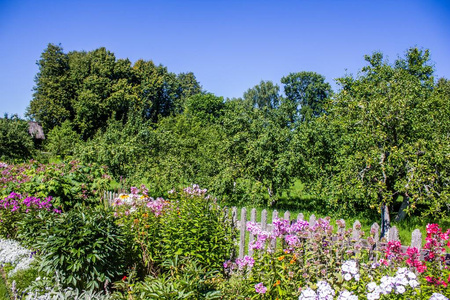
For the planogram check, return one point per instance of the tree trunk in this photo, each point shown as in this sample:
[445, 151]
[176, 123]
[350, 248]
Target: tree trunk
[385, 220]
[401, 212]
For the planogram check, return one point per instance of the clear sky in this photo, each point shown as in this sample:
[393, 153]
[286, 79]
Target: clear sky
[229, 45]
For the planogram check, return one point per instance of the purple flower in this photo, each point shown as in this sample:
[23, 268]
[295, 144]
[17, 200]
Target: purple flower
[260, 288]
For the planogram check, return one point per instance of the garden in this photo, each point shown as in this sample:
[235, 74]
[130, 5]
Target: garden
[73, 244]
[132, 182]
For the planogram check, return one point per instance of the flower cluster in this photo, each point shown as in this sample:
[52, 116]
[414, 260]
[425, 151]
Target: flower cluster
[12, 253]
[350, 270]
[260, 288]
[281, 229]
[139, 198]
[396, 284]
[324, 291]
[14, 202]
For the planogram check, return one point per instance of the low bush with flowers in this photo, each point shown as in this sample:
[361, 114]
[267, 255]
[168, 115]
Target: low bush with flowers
[315, 262]
[69, 184]
[188, 224]
[14, 207]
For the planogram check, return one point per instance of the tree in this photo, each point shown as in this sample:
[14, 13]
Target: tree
[53, 93]
[265, 94]
[385, 139]
[306, 94]
[15, 141]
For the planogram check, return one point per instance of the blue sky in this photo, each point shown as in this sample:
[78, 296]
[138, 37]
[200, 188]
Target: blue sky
[229, 45]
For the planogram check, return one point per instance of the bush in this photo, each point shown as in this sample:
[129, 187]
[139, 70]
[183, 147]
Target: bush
[196, 227]
[15, 207]
[85, 248]
[190, 225]
[69, 184]
[15, 142]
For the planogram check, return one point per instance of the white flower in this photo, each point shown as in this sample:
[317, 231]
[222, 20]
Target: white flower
[347, 276]
[437, 296]
[307, 294]
[400, 289]
[371, 286]
[346, 295]
[413, 283]
[324, 290]
[373, 296]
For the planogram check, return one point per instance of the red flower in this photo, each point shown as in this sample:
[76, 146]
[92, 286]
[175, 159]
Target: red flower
[124, 278]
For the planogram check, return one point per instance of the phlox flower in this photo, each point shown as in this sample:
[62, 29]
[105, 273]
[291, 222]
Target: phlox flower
[346, 295]
[308, 294]
[260, 288]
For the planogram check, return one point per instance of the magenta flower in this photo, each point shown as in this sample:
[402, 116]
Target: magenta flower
[260, 288]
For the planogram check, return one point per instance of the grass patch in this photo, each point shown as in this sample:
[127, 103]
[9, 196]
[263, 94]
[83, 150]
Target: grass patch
[4, 293]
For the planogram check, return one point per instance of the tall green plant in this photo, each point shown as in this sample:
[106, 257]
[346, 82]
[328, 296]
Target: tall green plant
[85, 248]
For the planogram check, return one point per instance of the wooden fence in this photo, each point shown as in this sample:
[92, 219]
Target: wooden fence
[241, 226]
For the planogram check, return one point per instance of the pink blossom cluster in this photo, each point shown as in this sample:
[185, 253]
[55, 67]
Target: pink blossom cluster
[281, 229]
[413, 259]
[138, 198]
[16, 202]
[195, 190]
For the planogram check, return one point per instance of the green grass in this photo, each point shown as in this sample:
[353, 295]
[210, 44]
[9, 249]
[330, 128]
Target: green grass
[4, 295]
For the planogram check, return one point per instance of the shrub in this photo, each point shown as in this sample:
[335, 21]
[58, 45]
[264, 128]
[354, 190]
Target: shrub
[84, 247]
[15, 206]
[69, 184]
[15, 142]
[196, 227]
[190, 225]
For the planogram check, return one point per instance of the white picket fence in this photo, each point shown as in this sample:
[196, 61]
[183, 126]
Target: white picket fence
[241, 226]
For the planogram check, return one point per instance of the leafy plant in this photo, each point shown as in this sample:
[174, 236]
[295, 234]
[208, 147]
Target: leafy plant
[85, 248]
[196, 227]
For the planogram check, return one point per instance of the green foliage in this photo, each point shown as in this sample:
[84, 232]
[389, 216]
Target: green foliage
[122, 148]
[205, 107]
[4, 293]
[69, 184]
[62, 140]
[306, 95]
[84, 247]
[15, 141]
[182, 279]
[265, 94]
[385, 135]
[24, 278]
[197, 228]
[91, 88]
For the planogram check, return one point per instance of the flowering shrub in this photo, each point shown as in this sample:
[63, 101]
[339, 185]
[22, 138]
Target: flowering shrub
[13, 254]
[141, 217]
[190, 224]
[69, 184]
[13, 208]
[314, 262]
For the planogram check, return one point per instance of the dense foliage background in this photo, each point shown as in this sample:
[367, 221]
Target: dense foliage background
[379, 142]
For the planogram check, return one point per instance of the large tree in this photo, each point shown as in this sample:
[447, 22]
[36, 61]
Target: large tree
[385, 136]
[306, 94]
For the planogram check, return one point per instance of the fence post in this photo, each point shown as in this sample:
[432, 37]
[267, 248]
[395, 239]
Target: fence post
[287, 216]
[416, 239]
[243, 227]
[393, 234]
[312, 221]
[264, 220]
[356, 232]
[375, 231]
[234, 216]
[274, 241]
[300, 217]
[251, 236]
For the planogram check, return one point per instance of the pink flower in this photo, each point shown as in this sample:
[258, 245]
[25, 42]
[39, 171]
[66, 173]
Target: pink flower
[260, 288]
